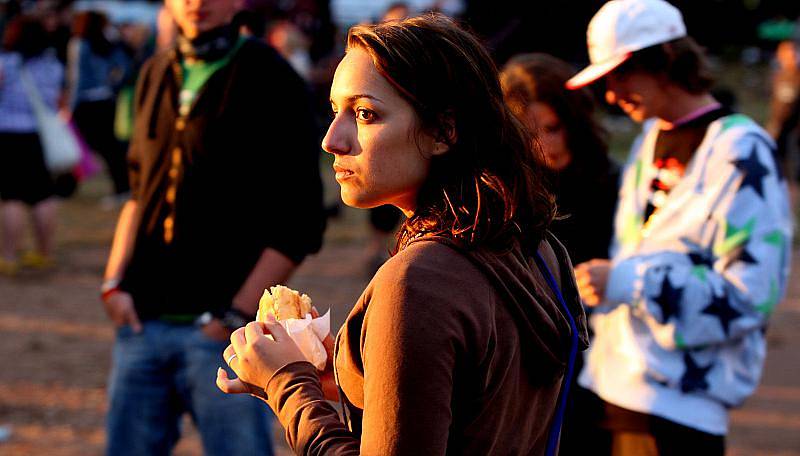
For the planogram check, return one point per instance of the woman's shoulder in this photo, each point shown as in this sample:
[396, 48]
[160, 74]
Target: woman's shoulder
[431, 257]
[430, 269]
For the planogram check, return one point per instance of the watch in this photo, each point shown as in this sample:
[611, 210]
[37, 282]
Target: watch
[234, 318]
[231, 318]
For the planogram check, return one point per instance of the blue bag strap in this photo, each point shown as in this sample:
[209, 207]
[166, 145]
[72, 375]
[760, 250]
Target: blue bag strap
[555, 430]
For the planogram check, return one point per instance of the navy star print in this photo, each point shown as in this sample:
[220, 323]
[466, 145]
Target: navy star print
[754, 172]
[694, 377]
[720, 308]
[669, 299]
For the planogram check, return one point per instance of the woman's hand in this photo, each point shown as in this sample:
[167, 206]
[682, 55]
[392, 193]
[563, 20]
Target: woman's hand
[258, 357]
[592, 277]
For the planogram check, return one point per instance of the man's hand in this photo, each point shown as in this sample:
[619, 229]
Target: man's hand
[120, 309]
[592, 277]
[215, 330]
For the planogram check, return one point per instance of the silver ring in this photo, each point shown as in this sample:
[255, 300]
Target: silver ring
[230, 358]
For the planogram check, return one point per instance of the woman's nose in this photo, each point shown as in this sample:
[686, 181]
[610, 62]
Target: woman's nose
[336, 140]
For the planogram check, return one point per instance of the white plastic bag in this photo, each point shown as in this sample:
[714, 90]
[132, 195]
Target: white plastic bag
[61, 149]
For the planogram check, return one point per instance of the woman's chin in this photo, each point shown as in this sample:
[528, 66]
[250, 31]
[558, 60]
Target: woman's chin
[356, 201]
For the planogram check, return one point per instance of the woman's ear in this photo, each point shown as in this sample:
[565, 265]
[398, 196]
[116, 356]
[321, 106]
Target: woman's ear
[440, 147]
[447, 134]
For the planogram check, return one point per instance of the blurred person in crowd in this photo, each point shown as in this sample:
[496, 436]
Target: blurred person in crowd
[583, 177]
[460, 343]
[292, 44]
[95, 70]
[55, 18]
[396, 11]
[25, 182]
[138, 43]
[226, 200]
[784, 116]
[701, 250]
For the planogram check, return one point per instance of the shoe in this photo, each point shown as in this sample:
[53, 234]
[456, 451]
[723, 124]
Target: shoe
[8, 268]
[36, 260]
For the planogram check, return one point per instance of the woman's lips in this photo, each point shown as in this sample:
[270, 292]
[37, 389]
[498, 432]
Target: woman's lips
[342, 173]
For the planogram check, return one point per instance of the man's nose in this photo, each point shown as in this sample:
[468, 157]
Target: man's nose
[611, 97]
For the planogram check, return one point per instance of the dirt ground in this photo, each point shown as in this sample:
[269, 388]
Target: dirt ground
[57, 343]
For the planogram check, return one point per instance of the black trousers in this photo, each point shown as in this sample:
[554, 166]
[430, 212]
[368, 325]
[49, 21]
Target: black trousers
[95, 121]
[595, 427]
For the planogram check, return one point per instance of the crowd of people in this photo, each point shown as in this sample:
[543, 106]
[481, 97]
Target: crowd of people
[540, 297]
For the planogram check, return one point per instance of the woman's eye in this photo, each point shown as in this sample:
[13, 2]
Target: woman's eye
[365, 115]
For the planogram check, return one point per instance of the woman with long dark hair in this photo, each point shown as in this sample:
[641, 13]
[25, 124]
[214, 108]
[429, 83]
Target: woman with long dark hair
[583, 177]
[461, 342]
[25, 182]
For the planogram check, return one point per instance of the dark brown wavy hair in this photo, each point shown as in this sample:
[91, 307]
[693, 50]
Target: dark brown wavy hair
[530, 78]
[488, 188]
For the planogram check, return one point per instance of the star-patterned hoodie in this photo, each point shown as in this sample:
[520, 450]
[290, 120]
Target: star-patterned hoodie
[681, 333]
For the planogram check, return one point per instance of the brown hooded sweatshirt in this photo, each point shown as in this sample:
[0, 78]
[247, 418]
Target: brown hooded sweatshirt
[447, 351]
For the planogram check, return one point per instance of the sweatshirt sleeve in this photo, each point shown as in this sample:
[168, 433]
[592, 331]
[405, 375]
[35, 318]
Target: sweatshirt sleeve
[725, 281]
[410, 339]
[312, 424]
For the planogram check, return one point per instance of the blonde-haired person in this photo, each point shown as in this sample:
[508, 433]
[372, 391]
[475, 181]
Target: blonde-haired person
[460, 344]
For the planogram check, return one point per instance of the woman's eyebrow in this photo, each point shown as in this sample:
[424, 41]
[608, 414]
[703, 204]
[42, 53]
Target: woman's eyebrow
[363, 95]
[358, 96]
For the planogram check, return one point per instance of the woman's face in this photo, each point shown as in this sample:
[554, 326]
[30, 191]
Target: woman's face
[380, 156]
[541, 118]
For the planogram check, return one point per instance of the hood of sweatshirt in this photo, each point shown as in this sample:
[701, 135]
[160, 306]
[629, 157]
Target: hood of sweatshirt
[543, 323]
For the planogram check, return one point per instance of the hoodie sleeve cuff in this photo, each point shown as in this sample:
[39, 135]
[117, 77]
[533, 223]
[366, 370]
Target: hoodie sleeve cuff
[625, 282]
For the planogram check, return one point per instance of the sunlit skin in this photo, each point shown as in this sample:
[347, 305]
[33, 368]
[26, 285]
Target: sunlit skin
[541, 118]
[381, 157]
[198, 16]
[788, 56]
[640, 95]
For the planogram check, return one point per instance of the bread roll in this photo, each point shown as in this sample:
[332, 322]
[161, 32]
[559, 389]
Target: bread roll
[283, 303]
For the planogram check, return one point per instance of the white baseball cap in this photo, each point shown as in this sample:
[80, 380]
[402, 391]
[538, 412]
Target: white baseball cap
[622, 27]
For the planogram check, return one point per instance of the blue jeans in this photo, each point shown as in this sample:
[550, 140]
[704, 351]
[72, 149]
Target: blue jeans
[167, 370]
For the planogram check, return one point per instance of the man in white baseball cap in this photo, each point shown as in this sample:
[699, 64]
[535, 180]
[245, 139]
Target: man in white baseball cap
[701, 248]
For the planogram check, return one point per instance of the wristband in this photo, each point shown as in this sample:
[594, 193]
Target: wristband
[108, 288]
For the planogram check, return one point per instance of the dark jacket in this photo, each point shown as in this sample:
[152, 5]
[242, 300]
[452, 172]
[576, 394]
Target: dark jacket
[236, 175]
[587, 200]
[446, 352]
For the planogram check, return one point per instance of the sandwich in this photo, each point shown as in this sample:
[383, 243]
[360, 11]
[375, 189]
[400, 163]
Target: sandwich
[283, 303]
